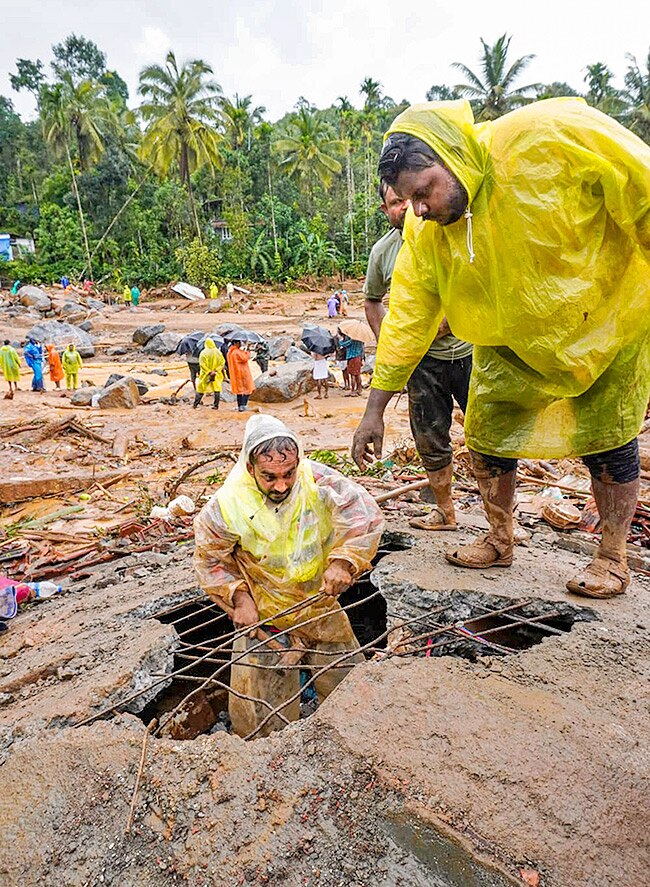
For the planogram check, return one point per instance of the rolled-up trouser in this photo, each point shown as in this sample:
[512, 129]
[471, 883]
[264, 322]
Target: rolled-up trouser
[194, 371]
[618, 466]
[432, 389]
[276, 685]
[71, 380]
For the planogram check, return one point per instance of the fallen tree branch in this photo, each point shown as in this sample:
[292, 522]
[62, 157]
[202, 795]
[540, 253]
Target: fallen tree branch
[171, 488]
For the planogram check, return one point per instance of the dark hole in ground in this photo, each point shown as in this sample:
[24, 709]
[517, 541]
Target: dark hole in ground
[500, 629]
[200, 623]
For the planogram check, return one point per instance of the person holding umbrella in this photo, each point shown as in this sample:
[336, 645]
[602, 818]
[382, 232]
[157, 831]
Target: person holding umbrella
[241, 379]
[320, 344]
[211, 363]
[354, 335]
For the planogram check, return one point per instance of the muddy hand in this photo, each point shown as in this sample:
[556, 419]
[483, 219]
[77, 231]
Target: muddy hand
[368, 439]
[337, 578]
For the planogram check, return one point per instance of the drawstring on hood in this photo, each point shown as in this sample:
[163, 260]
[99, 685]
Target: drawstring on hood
[470, 238]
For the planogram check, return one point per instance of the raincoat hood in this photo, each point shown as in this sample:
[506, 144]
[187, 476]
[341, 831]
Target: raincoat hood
[449, 129]
[259, 430]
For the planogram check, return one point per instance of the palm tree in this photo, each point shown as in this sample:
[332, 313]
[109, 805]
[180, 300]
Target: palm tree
[347, 116]
[602, 94]
[182, 115]
[240, 119]
[637, 93]
[72, 115]
[309, 152]
[372, 91]
[493, 94]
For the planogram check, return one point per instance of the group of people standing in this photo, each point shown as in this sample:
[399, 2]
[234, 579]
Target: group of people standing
[65, 366]
[208, 370]
[337, 303]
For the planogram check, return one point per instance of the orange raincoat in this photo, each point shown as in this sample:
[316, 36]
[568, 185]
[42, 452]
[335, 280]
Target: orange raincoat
[56, 370]
[241, 379]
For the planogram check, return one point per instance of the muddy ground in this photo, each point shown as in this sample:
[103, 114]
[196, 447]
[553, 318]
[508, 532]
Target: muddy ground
[445, 771]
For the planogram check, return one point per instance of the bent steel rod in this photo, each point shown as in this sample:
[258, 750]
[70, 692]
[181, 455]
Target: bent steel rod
[219, 683]
[113, 708]
[243, 654]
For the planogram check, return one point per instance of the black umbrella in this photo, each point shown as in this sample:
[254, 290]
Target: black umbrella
[318, 339]
[193, 343]
[241, 335]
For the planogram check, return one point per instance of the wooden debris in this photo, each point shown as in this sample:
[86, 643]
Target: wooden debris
[172, 486]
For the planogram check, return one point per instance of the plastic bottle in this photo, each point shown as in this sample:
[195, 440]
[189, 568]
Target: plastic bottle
[44, 590]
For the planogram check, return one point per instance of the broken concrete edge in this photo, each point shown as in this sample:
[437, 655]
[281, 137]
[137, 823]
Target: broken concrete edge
[17, 490]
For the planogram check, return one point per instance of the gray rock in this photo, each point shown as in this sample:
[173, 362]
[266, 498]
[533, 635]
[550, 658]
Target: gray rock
[83, 397]
[163, 343]
[294, 354]
[118, 351]
[225, 328]
[60, 334]
[86, 326]
[284, 382]
[69, 308]
[97, 304]
[144, 334]
[115, 377]
[33, 297]
[214, 306]
[278, 346]
[123, 394]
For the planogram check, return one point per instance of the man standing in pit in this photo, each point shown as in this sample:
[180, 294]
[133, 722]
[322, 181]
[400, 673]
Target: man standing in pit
[442, 374]
[282, 530]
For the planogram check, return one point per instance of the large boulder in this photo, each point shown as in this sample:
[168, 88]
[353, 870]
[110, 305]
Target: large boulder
[122, 394]
[60, 334]
[115, 377]
[33, 297]
[294, 354]
[284, 383]
[279, 346]
[97, 304]
[163, 343]
[83, 397]
[144, 334]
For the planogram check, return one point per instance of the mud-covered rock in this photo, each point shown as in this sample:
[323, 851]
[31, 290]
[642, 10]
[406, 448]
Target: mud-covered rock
[60, 334]
[34, 297]
[83, 397]
[278, 346]
[294, 355]
[163, 343]
[115, 377]
[122, 394]
[284, 383]
[144, 334]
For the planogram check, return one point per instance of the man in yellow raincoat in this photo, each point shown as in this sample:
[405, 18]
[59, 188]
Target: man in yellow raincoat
[210, 379]
[10, 366]
[72, 363]
[281, 530]
[532, 235]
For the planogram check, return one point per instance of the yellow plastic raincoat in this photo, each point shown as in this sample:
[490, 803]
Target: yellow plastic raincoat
[211, 360]
[279, 553]
[71, 361]
[556, 297]
[10, 363]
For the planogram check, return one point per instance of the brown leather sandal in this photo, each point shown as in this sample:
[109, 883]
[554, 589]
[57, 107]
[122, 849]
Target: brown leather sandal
[603, 578]
[429, 522]
[485, 552]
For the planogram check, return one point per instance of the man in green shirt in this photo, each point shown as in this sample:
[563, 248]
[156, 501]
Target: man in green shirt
[442, 374]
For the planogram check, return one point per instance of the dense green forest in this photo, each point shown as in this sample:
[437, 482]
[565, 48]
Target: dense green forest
[183, 181]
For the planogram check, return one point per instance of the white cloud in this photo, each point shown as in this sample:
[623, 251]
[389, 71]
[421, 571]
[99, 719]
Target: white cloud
[153, 45]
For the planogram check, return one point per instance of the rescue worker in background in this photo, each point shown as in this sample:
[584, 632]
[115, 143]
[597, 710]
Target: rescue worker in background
[210, 380]
[126, 296]
[442, 374]
[54, 363]
[135, 296]
[531, 234]
[33, 353]
[281, 529]
[239, 373]
[72, 363]
[10, 366]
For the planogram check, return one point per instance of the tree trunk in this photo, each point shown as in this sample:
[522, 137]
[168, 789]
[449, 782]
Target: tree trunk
[273, 225]
[349, 180]
[89, 264]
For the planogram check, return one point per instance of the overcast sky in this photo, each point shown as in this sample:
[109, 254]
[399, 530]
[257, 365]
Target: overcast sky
[278, 50]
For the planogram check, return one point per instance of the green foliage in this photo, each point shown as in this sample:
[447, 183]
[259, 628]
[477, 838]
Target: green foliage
[59, 241]
[201, 264]
[298, 195]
